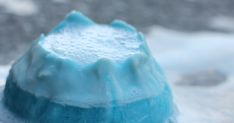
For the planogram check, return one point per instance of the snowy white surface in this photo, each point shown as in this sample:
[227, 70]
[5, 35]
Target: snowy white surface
[186, 52]
[183, 52]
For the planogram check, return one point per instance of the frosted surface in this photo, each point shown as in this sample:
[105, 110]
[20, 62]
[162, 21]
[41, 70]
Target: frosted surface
[92, 43]
[83, 72]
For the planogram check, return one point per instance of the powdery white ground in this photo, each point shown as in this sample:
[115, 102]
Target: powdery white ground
[186, 52]
[180, 53]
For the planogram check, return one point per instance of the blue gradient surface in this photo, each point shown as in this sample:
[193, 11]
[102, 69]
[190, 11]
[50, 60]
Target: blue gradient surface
[109, 76]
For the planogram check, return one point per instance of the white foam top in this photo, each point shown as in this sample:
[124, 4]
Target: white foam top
[92, 43]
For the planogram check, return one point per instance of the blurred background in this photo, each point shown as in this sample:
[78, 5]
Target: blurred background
[193, 40]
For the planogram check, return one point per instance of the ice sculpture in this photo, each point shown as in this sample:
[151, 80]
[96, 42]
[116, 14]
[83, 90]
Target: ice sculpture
[83, 72]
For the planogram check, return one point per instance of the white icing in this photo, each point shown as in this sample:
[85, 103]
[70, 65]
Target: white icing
[92, 43]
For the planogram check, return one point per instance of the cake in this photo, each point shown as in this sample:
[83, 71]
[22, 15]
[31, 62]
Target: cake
[83, 72]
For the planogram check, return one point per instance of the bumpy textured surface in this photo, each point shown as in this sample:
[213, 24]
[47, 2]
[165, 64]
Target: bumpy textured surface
[84, 72]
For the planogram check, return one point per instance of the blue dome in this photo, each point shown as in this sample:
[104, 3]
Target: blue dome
[83, 72]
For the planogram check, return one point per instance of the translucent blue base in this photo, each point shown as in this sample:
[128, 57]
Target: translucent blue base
[40, 110]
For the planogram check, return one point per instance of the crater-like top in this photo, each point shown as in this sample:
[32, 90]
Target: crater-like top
[85, 64]
[88, 44]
